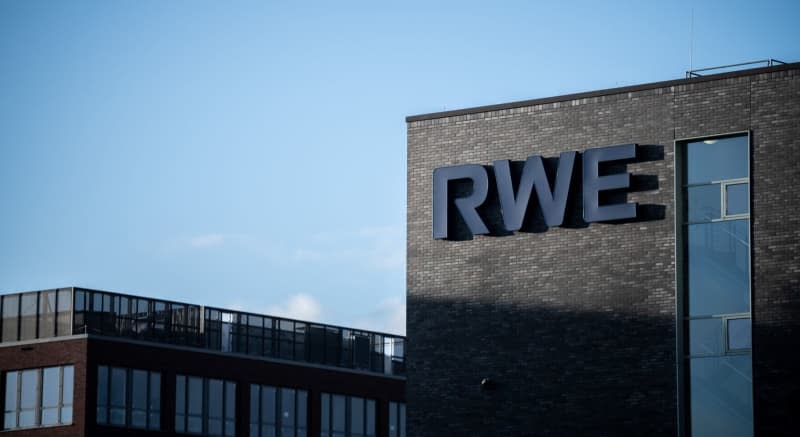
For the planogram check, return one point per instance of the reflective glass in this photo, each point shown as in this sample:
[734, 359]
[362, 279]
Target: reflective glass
[704, 203]
[705, 337]
[180, 395]
[402, 420]
[139, 387]
[10, 312]
[10, 420]
[357, 416]
[739, 335]
[370, 431]
[287, 407]
[66, 415]
[721, 396]
[302, 408]
[393, 410]
[254, 406]
[738, 199]
[195, 396]
[47, 314]
[27, 321]
[27, 399]
[155, 391]
[268, 404]
[63, 319]
[27, 418]
[118, 396]
[11, 391]
[326, 409]
[67, 385]
[102, 394]
[718, 268]
[338, 413]
[717, 159]
[50, 380]
[215, 398]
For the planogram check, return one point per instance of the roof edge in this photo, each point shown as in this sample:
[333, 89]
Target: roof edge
[603, 92]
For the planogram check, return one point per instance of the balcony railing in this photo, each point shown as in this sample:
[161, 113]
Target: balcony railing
[66, 311]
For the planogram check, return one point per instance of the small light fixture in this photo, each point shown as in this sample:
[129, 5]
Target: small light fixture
[487, 384]
[709, 141]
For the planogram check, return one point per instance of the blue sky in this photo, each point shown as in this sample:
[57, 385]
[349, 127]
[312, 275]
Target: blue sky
[252, 154]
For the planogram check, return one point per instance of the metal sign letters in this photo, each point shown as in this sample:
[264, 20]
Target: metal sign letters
[552, 200]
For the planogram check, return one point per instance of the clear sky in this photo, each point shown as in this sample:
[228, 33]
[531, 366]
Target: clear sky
[252, 155]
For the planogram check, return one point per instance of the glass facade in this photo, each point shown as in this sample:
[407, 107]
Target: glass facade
[50, 313]
[278, 412]
[128, 397]
[205, 406]
[36, 314]
[38, 397]
[715, 234]
[347, 416]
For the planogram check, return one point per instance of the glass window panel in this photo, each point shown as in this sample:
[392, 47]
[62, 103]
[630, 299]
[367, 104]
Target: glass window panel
[102, 394]
[47, 314]
[64, 317]
[215, 399]
[118, 387]
[50, 381]
[10, 312]
[230, 400]
[704, 203]
[717, 159]
[326, 408]
[66, 415]
[719, 268]
[737, 199]
[10, 420]
[370, 418]
[402, 420]
[393, 419]
[155, 391]
[67, 385]
[338, 413]
[27, 323]
[180, 423]
[739, 335]
[302, 408]
[357, 415]
[706, 336]
[180, 395]
[268, 404]
[230, 428]
[155, 420]
[195, 396]
[11, 391]
[139, 389]
[722, 396]
[27, 418]
[194, 424]
[287, 407]
[138, 418]
[117, 416]
[28, 390]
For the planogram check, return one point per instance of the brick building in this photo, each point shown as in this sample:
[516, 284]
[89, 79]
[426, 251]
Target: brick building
[78, 362]
[681, 316]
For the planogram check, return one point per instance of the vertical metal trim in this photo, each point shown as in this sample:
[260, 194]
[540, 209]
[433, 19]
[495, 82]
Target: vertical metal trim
[678, 149]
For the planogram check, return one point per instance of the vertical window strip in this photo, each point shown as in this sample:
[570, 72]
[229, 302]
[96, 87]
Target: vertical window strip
[130, 413]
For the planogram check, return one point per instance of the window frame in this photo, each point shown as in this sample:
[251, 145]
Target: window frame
[38, 406]
[128, 402]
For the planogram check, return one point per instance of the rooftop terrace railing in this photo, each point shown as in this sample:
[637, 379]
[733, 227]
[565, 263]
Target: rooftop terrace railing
[66, 311]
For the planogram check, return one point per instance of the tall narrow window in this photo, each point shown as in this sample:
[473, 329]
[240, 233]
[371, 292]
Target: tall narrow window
[347, 416]
[205, 406]
[280, 412]
[397, 419]
[38, 397]
[716, 286]
[128, 397]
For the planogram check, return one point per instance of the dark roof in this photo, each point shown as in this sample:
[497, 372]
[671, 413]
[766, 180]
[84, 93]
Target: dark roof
[605, 92]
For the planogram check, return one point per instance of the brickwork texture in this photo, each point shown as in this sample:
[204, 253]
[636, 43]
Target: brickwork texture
[576, 325]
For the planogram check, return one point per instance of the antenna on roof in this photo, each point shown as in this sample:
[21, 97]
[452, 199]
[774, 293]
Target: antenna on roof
[691, 38]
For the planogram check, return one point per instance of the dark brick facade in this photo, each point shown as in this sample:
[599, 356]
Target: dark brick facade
[87, 353]
[577, 324]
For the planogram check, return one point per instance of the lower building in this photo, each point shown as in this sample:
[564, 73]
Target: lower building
[79, 362]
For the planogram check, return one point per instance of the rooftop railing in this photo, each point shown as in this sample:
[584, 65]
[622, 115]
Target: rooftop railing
[66, 311]
[696, 72]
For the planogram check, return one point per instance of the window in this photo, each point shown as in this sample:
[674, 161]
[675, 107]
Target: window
[397, 419]
[205, 406]
[128, 397]
[36, 314]
[347, 416]
[280, 412]
[38, 397]
[715, 241]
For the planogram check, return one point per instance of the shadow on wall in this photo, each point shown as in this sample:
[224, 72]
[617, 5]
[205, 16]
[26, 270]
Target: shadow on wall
[551, 371]
[534, 222]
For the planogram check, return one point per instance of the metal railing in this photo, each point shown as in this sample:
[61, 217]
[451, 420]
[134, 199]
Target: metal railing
[768, 62]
